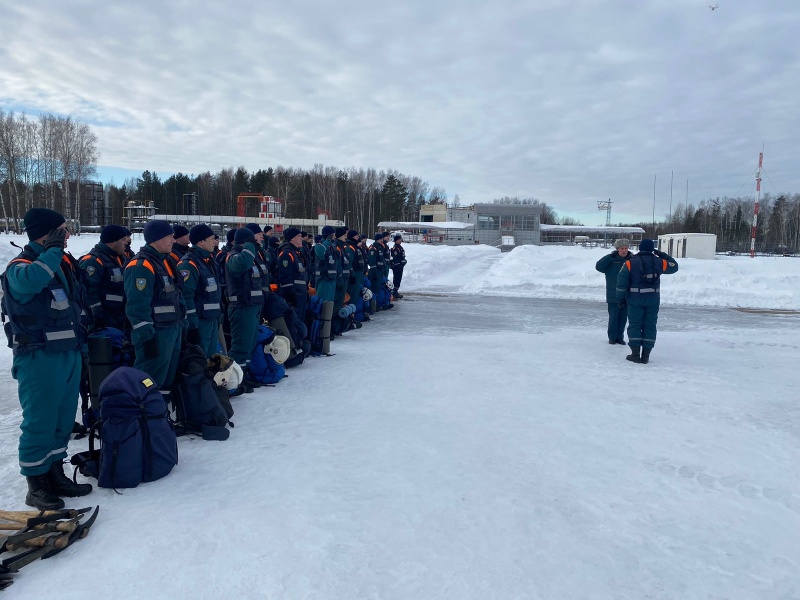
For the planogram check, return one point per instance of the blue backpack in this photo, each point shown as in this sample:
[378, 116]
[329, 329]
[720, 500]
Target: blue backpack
[263, 367]
[137, 441]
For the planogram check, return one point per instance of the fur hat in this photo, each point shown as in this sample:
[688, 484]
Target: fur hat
[113, 233]
[156, 230]
[646, 246]
[41, 221]
[200, 233]
[621, 242]
[243, 236]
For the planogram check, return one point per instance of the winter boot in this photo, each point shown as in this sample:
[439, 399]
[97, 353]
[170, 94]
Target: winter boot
[397, 295]
[248, 380]
[646, 355]
[634, 355]
[61, 485]
[39, 494]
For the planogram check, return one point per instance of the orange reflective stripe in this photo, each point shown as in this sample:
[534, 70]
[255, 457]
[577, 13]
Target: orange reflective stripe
[85, 256]
[132, 263]
[19, 260]
[628, 264]
[665, 263]
[166, 264]
[100, 262]
[191, 262]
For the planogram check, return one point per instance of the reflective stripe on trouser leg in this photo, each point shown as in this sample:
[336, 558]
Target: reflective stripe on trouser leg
[49, 406]
[635, 318]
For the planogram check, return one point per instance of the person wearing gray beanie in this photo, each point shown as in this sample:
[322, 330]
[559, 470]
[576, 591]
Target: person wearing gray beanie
[638, 288]
[201, 292]
[622, 242]
[42, 305]
[610, 265]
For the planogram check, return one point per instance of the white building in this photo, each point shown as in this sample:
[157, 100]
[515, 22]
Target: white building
[689, 245]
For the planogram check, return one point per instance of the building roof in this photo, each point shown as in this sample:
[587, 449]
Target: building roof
[581, 228]
[425, 225]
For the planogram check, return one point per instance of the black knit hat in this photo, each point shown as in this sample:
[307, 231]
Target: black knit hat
[397, 236]
[179, 231]
[317, 239]
[254, 227]
[327, 230]
[200, 233]
[113, 233]
[267, 228]
[41, 221]
[156, 230]
[273, 242]
[244, 235]
[231, 233]
[352, 235]
[340, 231]
[291, 233]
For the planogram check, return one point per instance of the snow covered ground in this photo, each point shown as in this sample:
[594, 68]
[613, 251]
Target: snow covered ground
[477, 445]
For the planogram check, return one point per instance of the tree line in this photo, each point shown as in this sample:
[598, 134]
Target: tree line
[360, 197]
[731, 219]
[44, 161]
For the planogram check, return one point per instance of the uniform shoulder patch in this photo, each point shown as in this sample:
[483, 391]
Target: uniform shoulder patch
[90, 270]
[185, 275]
[147, 382]
[285, 263]
[141, 283]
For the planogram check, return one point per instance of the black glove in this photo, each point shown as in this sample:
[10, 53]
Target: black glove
[623, 303]
[660, 254]
[56, 239]
[150, 348]
[193, 337]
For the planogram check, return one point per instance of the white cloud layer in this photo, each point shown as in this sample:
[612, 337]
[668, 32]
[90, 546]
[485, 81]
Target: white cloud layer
[569, 101]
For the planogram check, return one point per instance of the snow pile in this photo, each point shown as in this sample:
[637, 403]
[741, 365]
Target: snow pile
[563, 272]
[568, 272]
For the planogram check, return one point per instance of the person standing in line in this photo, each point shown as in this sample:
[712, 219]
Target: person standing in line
[245, 300]
[398, 259]
[43, 300]
[154, 306]
[103, 267]
[638, 288]
[201, 290]
[610, 265]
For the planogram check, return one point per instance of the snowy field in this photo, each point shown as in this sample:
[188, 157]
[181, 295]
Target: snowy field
[482, 440]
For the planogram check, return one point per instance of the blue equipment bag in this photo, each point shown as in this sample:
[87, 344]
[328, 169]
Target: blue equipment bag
[138, 443]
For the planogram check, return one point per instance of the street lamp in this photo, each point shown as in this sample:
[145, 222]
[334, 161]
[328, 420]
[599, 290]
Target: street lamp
[344, 218]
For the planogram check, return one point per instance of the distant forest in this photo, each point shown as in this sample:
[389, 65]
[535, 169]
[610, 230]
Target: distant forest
[51, 161]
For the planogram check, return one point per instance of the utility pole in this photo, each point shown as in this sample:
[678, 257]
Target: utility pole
[758, 199]
[654, 204]
[671, 179]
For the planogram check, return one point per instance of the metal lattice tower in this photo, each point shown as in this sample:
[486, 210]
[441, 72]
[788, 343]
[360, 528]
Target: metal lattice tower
[606, 206]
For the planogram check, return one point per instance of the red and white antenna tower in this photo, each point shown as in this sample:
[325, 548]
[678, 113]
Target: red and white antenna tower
[755, 211]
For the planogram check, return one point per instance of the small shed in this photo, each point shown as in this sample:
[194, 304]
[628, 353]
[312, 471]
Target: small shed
[689, 245]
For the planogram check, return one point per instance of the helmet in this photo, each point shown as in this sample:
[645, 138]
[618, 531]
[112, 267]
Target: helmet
[280, 349]
[230, 378]
[366, 294]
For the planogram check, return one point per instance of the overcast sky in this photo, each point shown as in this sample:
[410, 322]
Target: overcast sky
[568, 101]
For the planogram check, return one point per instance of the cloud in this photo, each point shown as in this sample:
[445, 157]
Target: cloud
[567, 101]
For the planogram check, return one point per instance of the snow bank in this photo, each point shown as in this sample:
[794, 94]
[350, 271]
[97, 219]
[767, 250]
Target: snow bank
[568, 272]
[564, 272]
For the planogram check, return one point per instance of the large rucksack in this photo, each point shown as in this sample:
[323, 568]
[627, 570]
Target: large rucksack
[108, 349]
[137, 441]
[197, 402]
